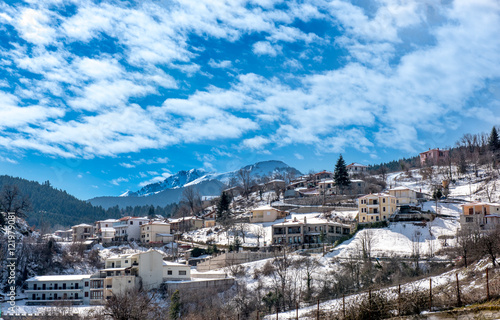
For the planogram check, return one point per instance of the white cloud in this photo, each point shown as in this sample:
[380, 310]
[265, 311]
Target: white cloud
[117, 181]
[160, 178]
[223, 64]
[256, 143]
[298, 156]
[33, 25]
[386, 91]
[266, 48]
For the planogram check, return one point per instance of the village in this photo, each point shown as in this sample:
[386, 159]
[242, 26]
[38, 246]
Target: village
[307, 215]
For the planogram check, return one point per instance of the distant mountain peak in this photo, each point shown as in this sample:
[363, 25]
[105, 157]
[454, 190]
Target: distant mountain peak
[173, 181]
[193, 177]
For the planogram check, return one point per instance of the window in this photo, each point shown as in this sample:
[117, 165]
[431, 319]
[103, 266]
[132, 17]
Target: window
[182, 272]
[126, 261]
[131, 222]
[383, 200]
[383, 209]
[169, 272]
[86, 283]
[86, 294]
[377, 218]
[140, 223]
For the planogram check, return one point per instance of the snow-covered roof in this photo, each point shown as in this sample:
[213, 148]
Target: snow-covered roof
[480, 204]
[173, 264]
[355, 164]
[161, 223]
[276, 180]
[132, 218]
[327, 181]
[107, 229]
[108, 220]
[400, 188]
[184, 219]
[264, 208]
[82, 225]
[377, 195]
[70, 277]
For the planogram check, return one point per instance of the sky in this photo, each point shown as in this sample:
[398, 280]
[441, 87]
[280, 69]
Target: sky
[101, 97]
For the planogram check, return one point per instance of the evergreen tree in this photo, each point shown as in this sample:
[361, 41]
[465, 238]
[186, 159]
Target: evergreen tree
[175, 306]
[222, 211]
[494, 140]
[341, 175]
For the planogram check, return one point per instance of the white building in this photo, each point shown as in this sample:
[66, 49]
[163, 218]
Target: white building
[176, 271]
[104, 230]
[356, 168]
[44, 290]
[82, 232]
[404, 195]
[129, 228]
[127, 272]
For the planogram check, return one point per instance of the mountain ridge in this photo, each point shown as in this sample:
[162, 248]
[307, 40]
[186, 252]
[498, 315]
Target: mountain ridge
[207, 184]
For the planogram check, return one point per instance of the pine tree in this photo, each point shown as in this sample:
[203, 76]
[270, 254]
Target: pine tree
[222, 211]
[175, 306]
[494, 140]
[341, 175]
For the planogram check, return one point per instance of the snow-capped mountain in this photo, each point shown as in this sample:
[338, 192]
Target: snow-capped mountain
[193, 177]
[175, 181]
[207, 184]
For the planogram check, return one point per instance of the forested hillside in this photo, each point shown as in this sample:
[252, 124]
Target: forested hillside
[50, 206]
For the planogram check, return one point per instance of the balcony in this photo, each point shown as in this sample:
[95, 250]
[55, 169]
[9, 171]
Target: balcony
[53, 290]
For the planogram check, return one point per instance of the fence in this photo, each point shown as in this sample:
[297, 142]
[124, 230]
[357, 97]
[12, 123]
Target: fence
[431, 294]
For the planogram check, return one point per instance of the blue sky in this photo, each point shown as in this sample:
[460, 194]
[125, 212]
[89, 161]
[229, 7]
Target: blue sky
[100, 97]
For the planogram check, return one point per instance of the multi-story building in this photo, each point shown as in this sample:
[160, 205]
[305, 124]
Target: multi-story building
[404, 196]
[376, 207]
[314, 231]
[44, 290]
[144, 270]
[356, 168]
[127, 272]
[129, 228]
[434, 156]
[82, 232]
[104, 231]
[327, 187]
[483, 215]
[186, 224]
[156, 232]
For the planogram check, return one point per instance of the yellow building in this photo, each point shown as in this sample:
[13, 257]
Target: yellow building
[156, 232]
[376, 207]
[266, 214]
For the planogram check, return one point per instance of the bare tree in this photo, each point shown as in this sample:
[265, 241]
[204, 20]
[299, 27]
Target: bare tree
[246, 181]
[260, 233]
[192, 197]
[134, 305]
[11, 200]
[367, 241]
